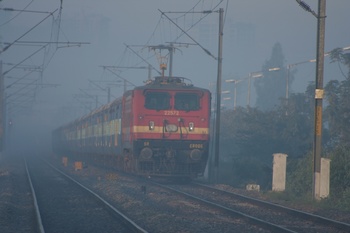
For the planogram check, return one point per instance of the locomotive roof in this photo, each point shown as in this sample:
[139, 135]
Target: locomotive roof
[165, 82]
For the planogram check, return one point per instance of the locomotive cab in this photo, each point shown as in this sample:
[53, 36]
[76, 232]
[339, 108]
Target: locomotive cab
[168, 132]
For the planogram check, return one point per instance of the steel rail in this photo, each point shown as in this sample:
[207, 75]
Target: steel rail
[126, 221]
[133, 226]
[299, 213]
[254, 220]
[36, 206]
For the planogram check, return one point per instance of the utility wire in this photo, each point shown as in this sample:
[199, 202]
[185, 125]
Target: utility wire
[191, 11]
[143, 59]
[35, 80]
[197, 43]
[9, 45]
[25, 59]
[120, 76]
[10, 85]
[17, 14]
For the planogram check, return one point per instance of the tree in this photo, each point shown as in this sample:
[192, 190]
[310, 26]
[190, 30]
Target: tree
[338, 55]
[248, 132]
[295, 121]
[250, 136]
[337, 94]
[272, 86]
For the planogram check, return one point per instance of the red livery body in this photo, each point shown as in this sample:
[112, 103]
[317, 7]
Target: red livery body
[161, 128]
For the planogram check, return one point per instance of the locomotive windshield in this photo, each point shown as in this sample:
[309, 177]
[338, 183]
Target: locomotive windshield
[157, 100]
[186, 101]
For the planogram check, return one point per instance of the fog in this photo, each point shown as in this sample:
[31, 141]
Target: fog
[72, 75]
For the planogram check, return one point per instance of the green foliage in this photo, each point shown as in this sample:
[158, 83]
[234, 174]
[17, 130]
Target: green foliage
[249, 136]
[295, 124]
[344, 202]
[272, 86]
[241, 128]
[340, 170]
[299, 176]
[254, 133]
[338, 55]
[248, 170]
[337, 112]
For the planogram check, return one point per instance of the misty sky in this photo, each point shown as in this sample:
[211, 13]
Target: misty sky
[251, 29]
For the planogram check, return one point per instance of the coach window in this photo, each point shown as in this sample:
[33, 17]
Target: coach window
[157, 101]
[186, 101]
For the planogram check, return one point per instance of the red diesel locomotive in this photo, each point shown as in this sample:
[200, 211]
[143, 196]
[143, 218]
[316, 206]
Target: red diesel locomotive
[159, 129]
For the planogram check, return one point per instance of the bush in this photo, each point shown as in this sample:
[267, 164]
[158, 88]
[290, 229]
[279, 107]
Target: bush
[340, 171]
[299, 176]
[247, 170]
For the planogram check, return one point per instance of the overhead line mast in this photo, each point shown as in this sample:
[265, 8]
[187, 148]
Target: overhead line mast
[319, 92]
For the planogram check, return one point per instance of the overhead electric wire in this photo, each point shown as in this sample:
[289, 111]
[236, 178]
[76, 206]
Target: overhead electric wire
[91, 96]
[205, 12]
[18, 90]
[120, 77]
[8, 46]
[10, 85]
[197, 43]
[143, 59]
[192, 9]
[25, 59]
[26, 11]
[17, 14]
[47, 49]
[15, 102]
[226, 9]
[103, 89]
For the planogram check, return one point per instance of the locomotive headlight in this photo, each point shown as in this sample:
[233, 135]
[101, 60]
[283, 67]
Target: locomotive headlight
[151, 125]
[191, 126]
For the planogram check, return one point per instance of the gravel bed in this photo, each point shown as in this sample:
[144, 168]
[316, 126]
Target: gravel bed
[157, 210]
[65, 207]
[338, 215]
[278, 217]
[16, 204]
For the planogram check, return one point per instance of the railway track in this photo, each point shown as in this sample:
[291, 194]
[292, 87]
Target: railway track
[161, 210]
[269, 216]
[334, 225]
[64, 205]
[157, 209]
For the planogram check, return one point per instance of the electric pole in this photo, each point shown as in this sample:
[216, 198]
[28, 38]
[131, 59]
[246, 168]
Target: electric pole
[2, 108]
[319, 92]
[218, 95]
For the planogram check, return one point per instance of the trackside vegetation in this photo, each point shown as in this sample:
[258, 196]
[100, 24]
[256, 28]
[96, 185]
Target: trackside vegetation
[250, 135]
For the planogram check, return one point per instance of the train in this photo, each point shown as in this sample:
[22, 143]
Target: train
[161, 128]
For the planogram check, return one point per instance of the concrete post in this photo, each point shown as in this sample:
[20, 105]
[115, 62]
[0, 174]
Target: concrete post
[325, 177]
[279, 172]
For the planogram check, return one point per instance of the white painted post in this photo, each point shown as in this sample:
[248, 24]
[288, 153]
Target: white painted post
[325, 177]
[279, 172]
